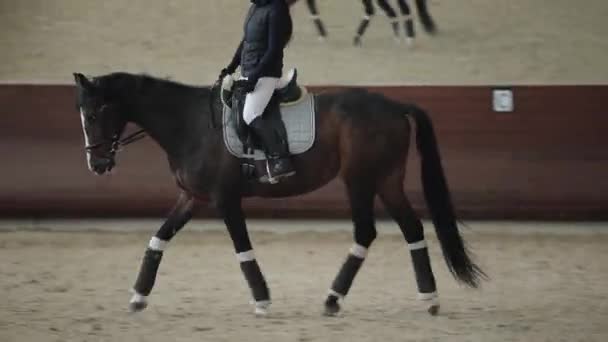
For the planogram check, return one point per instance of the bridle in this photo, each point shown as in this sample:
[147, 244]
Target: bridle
[117, 143]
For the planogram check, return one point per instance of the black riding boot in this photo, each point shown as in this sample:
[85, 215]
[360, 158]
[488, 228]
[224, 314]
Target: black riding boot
[278, 163]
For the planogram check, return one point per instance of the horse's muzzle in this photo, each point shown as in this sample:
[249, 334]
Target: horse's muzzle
[102, 165]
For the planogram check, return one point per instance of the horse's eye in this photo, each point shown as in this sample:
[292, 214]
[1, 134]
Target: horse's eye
[103, 108]
[92, 118]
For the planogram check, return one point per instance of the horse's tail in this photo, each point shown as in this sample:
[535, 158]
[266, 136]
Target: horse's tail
[440, 204]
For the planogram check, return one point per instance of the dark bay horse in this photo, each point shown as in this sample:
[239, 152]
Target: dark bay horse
[361, 136]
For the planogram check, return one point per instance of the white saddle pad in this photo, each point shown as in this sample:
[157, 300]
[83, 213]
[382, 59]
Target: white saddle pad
[299, 122]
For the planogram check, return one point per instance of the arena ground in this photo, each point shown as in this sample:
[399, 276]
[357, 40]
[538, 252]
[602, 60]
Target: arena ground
[69, 281]
[481, 42]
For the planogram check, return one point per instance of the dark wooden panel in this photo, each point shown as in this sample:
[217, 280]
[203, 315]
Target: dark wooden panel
[548, 159]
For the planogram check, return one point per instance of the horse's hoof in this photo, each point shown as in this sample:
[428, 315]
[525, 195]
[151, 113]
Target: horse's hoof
[138, 303]
[137, 306]
[433, 309]
[331, 306]
[261, 307]
[431, 301]
[261, 312]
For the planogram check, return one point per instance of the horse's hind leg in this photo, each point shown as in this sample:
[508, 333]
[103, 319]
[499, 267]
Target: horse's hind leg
[392, 16]
[314, 15]
[178, 217]
[425, 17]
[397, 205]
[368, 7]
[361, 197]
[408, 22]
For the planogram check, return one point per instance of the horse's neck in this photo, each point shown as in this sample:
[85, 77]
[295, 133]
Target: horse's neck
[176, 127]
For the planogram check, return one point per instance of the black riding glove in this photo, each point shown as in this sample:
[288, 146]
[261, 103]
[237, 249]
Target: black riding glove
[223, 74]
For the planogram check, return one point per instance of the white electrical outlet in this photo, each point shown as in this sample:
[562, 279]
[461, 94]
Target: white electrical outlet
[502, 100]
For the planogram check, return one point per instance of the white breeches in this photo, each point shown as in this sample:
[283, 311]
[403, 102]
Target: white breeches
[258, 99]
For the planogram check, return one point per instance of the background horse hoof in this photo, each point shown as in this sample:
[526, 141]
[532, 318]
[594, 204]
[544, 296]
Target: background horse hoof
[331, 306]
[433, 309]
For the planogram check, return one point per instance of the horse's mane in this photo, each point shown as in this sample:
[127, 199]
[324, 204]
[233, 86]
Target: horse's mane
[134, 84]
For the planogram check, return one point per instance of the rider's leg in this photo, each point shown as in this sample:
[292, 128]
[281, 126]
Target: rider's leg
[276, 148]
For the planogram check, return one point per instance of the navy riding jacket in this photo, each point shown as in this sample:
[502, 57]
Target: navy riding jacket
[267, 30]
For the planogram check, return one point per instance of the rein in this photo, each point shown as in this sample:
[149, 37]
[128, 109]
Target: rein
[118, 143]
[215, 85]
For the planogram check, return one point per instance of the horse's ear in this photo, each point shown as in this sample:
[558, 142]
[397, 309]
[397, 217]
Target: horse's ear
[82, 81]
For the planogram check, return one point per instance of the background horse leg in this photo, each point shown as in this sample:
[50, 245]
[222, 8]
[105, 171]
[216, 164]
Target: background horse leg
[425, 17]
[399, 208]
[361, 198]
[408, 22]
[178, 217]
[234, 218]
[369, 12]
[314, 15]
[392, 15]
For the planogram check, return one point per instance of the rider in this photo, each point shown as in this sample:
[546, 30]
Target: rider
[268, 29]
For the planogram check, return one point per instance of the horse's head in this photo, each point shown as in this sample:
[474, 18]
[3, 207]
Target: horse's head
[102, 122]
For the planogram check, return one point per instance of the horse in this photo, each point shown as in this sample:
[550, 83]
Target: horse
[426, 19]
[361, 137]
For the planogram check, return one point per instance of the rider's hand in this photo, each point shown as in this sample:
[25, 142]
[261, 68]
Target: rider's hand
[248, 85]
[223, 74]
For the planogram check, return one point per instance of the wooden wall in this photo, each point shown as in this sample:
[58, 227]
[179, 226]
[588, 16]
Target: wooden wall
[546, 160]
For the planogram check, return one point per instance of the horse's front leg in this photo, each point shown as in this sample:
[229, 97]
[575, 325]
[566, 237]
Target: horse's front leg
[231, 211]
[178, 217]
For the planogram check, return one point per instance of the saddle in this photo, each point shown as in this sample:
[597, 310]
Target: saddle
[290, 113]
[291, 94]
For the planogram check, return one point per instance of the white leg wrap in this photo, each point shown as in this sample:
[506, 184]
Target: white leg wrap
[245, 256]
[334, 293]
[428, 296]
[417, 245]
[358, 251]
[157, 244]
[261, 307]
[138, 298]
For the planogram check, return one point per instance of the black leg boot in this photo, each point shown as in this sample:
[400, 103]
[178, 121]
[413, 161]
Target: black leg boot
[278, 165]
